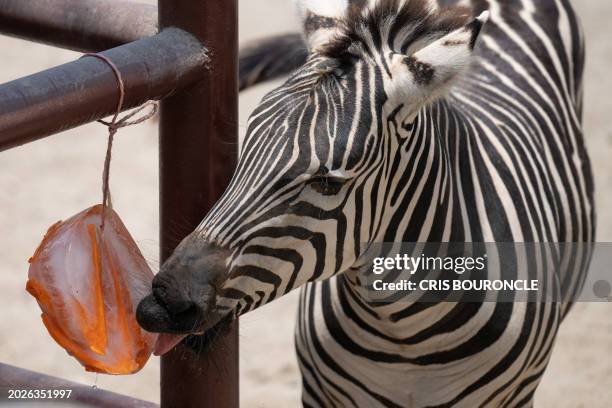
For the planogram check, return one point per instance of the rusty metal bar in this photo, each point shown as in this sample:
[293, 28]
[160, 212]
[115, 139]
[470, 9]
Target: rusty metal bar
[80, 25]
[14, 378]
[85, 90]
[198, 150]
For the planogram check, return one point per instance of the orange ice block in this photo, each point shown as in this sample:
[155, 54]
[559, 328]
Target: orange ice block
[88, 282]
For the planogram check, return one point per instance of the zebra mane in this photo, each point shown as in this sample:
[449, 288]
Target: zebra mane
[402, 26]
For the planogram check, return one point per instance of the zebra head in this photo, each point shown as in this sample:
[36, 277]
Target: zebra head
[326, 158]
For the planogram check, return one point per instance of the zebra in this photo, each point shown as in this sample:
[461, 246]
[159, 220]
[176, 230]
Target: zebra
[401, 121]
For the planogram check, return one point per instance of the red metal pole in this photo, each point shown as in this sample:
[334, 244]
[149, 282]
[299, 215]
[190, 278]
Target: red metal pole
[198, 139]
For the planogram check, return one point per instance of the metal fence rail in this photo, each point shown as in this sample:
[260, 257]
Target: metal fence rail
[198, 133]
[86, 89]
[15, 378]
[78, 25]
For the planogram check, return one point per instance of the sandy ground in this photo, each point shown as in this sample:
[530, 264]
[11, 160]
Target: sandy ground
[57, 177]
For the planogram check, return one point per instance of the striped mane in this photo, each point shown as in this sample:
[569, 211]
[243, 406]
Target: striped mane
[392, 25]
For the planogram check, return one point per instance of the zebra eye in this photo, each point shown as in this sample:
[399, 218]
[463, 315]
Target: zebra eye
[327, 185]
[408, 126]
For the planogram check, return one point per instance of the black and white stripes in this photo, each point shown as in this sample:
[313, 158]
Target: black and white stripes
[411, 123]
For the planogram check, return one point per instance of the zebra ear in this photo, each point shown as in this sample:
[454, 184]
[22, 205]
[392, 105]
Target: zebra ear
[432, 71]
[320, 20]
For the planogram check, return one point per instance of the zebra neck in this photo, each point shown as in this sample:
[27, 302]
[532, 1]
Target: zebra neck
[428, 207]
[425, 202]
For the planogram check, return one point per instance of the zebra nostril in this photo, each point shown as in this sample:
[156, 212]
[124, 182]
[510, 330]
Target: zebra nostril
[157, 318]
[173, 300]
[160, 294]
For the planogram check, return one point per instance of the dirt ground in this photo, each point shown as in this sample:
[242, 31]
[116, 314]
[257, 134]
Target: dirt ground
[57, 177]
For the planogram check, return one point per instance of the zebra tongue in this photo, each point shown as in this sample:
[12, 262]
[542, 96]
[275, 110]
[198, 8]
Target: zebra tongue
[166, 342]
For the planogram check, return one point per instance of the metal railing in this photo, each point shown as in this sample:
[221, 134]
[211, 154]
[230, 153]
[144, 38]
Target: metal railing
[190, 63]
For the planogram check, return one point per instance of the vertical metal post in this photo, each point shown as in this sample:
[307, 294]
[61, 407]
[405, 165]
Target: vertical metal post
[198, 139]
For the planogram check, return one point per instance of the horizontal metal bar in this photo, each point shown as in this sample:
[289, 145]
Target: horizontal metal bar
[86, 90]
[15, 378]
[81, 25]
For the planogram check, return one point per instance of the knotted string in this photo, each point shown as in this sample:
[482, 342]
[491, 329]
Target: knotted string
[113, 126]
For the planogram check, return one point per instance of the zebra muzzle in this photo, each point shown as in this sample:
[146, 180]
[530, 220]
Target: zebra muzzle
[184, 293]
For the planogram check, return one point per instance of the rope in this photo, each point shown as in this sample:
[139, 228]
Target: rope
[114, 125]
